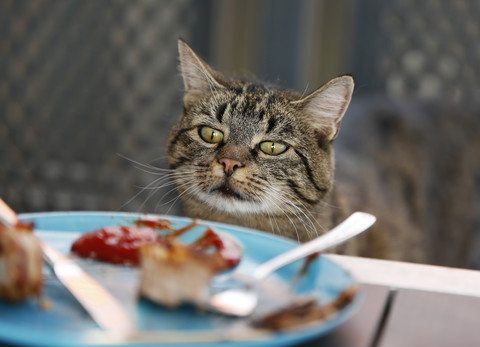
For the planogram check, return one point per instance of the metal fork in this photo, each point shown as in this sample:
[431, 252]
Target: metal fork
[242, 299]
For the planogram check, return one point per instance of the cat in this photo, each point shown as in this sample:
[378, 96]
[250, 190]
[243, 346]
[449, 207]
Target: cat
[263, 157]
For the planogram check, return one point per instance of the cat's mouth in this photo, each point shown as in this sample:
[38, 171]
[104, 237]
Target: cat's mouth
[228, 191]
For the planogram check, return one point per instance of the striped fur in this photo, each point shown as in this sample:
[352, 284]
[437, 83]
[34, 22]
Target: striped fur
[417, 172]
[284, 194]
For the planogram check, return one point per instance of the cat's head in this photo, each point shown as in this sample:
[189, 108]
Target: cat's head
[245, 148]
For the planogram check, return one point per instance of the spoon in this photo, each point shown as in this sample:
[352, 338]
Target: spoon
[242, 299]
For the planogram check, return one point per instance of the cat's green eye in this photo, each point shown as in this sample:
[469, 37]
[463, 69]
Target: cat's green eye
[211, 135]
[273, 148]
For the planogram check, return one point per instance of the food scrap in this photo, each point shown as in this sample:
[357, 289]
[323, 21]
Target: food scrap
[303, 312]
[20, 263]
[307, 263]
[157, 223]
[173, 273]
[227, 248]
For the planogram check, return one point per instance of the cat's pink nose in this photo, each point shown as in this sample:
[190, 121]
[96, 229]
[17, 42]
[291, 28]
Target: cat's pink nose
[230, 165]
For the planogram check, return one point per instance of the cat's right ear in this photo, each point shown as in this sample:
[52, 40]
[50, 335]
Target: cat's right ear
[198, 77]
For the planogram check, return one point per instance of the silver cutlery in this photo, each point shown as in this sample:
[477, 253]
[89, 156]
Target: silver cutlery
[242, 298]
[105, 310]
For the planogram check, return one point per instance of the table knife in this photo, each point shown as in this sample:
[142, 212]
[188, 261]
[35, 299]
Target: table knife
[102, 306]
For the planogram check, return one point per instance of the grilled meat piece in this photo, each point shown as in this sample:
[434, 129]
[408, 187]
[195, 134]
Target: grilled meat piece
[20, 263]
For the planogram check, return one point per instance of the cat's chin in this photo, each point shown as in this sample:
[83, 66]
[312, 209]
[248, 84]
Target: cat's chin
[231, 204]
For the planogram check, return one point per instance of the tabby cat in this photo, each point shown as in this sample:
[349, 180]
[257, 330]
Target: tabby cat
[253, 155]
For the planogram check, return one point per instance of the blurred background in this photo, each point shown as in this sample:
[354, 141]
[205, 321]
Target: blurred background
[85, 84]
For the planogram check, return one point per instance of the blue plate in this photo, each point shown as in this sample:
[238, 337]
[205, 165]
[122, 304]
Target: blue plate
[67, 324]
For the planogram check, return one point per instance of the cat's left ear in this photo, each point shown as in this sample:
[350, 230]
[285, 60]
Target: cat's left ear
[326, 106]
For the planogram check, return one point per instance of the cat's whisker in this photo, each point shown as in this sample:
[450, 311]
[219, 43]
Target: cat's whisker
[271, 218]
[160, 181]
[303, 218]
[184, 183]
[285, 206]
[143, 165]
[305, 211]
[160, 186]
[178, 185]
[160, 158]
[142, 189]
[272, 200]
[272, 227]
[151, 186]
[154, 170]
[161, 171]
[167, 178]
[176, 176]
[329, 205]
[304, 91]
[172, 202]
[163, 196]
[153, 192]
[307, 220]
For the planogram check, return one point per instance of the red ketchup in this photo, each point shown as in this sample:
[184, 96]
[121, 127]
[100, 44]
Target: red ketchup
[115, 244]
[121, 244]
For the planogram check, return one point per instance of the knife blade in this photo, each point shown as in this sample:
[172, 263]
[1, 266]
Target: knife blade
[102, 306]
[97, 301]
